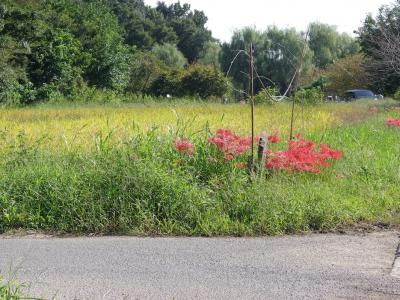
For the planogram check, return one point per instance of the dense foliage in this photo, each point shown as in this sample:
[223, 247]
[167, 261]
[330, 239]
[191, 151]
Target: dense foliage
[379, 39]
[328, 45]
[278, 53]
[53, 49]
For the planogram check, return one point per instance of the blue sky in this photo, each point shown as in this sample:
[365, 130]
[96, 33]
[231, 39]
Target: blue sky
[227, 15]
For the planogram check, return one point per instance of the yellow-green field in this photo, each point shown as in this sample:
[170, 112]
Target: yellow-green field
[80, 126]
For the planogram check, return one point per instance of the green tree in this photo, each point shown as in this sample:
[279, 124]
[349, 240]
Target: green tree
[14, 53]
[143, 26]
[145, 68]
[287, 53]
[277, 55]
[170, 55]
[57, 60]
[168, 83]
[189, 27]
[329, 45]
[234, 60]
[379, 40]
[346, 74]
[204, 81]
[210, 54]
[101, 36]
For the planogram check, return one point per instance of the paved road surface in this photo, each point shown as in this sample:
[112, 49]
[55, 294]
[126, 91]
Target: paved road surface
[301, 267]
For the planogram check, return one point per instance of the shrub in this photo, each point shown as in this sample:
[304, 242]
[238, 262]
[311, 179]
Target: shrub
[204, 81]
[9, 90]
[57, 64]
[167, 83]
[397, 95]
[311, 96]
[265, 96]
[145, 68]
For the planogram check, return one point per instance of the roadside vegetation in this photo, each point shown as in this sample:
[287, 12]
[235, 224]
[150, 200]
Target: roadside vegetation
[11, 289]
[142, 125]
[125, 175]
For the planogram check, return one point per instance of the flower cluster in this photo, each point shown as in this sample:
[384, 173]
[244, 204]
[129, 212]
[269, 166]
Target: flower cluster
[184, 146]
[302, 155]
[229, 144]
[393, 122]
[274, 138]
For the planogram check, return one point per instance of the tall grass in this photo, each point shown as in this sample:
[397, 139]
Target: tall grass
[80, 125]
[141, 185]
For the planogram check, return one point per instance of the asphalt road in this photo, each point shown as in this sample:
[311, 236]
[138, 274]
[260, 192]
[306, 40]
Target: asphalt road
[300, 267]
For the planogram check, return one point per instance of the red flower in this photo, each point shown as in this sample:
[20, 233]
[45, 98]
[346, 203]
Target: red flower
[302, 155]
[327, 153]
[393, 122]
[229, 143]
[184, 146]
[275, 138]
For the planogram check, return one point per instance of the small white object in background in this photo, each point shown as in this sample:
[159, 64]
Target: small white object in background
[169, 96]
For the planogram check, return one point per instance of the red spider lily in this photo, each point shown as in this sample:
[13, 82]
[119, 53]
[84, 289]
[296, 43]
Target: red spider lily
[327, 153]
[184, 146]
[393, 122]
[302, 155]
[230, 144]
[275, 138]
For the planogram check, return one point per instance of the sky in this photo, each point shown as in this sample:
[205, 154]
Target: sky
[224, 16]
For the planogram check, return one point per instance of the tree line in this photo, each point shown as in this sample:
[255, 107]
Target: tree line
[65, 48]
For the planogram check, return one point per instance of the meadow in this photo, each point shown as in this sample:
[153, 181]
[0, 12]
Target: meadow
[115, 169]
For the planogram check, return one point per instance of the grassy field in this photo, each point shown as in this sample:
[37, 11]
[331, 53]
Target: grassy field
[82, 126]
[114, 169]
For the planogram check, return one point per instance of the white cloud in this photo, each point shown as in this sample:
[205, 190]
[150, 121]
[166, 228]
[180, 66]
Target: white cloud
[226, 15]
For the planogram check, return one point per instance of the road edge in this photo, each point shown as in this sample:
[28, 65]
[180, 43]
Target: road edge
[396, 264]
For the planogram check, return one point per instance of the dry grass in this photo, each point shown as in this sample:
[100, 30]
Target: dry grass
[82, 126]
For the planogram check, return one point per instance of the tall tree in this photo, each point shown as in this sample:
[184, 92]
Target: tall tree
[143, 26]
[170, 55]
[379, 39]
[277, 56]
[234, 59]
[346, 74]
[329, 45]
[189, 27]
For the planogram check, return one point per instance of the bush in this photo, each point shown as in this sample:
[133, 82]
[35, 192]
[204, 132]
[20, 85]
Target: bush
[204, 81]
[9, 91]
[265, 96]
[396, 95]
[145, 68]
[167, 83]
[311, 96]
[56, 63]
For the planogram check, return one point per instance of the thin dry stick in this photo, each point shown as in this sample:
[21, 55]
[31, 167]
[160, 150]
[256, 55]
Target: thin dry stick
[252, 103]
